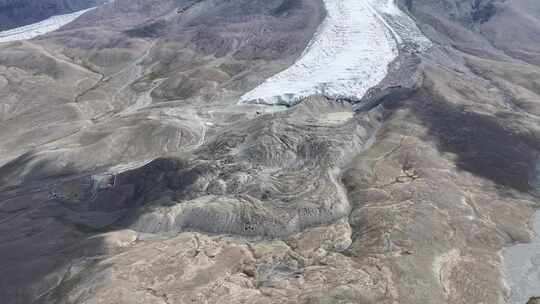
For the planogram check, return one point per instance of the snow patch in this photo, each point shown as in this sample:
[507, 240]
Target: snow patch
[348, 55]
[40, 28]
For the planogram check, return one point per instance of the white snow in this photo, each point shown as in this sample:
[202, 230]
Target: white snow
[349, 54]
[39, 28]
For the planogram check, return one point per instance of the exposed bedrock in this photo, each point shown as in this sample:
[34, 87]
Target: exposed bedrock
[403, 79]
[481, 26]
[424, 197]
[99, 93]
[104, 86]
[129, 174]
[271, 176]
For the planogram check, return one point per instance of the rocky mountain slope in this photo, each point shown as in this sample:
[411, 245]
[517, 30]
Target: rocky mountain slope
[130, 173]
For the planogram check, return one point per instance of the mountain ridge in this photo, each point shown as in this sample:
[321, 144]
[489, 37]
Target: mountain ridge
[129, 173]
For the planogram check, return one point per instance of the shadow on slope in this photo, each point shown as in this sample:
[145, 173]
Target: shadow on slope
[484, 145]
[264, 177]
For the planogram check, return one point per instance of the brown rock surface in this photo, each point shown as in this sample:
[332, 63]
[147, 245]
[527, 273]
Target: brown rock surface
[129, 174]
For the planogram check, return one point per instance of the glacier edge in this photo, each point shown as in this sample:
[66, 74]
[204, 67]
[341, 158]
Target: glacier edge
[349, 54]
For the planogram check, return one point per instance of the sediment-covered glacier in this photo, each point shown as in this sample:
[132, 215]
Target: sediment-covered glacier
[348, 55]
[39, 28]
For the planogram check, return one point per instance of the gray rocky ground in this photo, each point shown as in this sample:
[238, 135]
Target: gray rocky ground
[130, 175]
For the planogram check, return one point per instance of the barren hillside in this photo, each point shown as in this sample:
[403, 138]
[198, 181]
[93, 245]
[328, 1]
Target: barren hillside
[136, 168]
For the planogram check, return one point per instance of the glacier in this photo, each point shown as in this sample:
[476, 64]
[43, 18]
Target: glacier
[348, 54]
[33, 30]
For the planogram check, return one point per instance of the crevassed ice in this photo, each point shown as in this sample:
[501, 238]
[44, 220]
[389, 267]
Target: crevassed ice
[39, 28]
[349, 54]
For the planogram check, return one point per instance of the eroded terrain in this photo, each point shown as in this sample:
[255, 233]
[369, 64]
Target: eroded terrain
[129, 173]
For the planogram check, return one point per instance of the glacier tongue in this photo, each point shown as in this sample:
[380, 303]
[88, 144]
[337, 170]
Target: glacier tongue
[348, 55]
[39, 28]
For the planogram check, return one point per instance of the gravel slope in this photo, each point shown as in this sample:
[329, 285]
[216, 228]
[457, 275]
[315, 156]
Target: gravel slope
[130, 174]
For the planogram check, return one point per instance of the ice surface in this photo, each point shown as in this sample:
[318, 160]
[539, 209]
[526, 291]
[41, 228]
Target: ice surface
[349, 54]
[39, 28]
